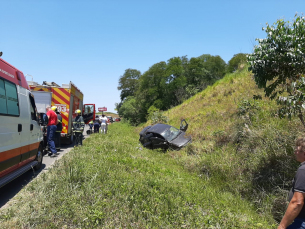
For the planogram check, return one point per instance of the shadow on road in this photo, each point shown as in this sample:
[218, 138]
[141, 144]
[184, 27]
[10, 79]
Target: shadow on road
[9, 190]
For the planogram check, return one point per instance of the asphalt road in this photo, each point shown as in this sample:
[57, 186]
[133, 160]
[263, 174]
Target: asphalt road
[8, 191]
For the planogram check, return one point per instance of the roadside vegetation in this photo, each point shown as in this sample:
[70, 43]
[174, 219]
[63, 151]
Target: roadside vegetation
[169, 83]
[112, 182]
[239, 143]
[231, 176]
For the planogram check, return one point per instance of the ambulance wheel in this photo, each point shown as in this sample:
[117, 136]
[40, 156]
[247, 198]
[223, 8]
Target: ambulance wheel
[39, 157]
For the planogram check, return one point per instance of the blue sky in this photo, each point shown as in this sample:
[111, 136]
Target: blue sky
[92, 43]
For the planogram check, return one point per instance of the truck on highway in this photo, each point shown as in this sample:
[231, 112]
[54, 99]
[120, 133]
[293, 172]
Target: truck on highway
[67, 98]
[21, 138]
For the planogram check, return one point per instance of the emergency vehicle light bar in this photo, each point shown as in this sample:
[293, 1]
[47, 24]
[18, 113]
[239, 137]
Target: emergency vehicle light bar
[50, 84]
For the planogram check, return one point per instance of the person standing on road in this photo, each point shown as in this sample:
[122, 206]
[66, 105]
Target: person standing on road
[104, 124]
[295, 214]
[78, 126]
[59, 128]
[97, 126]
[51, 130]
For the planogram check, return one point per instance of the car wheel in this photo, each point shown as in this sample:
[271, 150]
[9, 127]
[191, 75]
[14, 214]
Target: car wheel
[39, 157]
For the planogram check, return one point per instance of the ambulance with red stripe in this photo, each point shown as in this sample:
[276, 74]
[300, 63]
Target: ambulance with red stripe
[67, 98]
[21, 138]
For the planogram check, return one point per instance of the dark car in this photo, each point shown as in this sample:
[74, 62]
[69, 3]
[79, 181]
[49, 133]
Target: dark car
[110, 119]
[164, 136]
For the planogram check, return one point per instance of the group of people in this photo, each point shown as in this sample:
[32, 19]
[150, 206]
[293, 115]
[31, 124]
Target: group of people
[54, 128]
[101, 122]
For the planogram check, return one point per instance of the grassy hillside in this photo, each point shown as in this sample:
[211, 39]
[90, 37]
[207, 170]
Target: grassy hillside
[239, 143]
[111, 182]
[108, 114]
[235, 174]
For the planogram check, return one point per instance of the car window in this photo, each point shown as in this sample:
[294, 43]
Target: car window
[158, 136]
[171, 133]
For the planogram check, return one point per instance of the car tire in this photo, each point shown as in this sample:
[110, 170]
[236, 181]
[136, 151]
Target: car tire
[39, 157]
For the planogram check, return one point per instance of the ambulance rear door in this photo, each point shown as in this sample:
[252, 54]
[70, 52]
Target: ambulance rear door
[42, 100]
[11, 126]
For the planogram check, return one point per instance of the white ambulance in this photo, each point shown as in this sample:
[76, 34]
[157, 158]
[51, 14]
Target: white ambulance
[21, 139]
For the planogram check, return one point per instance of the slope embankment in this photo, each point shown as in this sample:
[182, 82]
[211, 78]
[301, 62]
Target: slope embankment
[234, 175]
[240, 143]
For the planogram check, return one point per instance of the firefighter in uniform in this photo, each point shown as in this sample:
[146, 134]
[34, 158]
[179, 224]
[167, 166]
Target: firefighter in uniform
[59, 128]
[78, 127]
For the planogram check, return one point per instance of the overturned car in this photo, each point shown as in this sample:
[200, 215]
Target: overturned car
[164, 136]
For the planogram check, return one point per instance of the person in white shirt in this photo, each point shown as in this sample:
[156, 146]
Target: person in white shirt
[104, 124]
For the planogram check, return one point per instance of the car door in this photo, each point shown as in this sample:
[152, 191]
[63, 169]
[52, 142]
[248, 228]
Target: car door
[89, 113]
[158, 141]
[10, 127]
[25, 122]
[183, 125]
[35, 133]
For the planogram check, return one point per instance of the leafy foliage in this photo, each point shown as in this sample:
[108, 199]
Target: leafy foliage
[129, 110]
[156, 116]
[236, 61]
[167, 84]
[278, 65]
[128, 83]
[215, 65]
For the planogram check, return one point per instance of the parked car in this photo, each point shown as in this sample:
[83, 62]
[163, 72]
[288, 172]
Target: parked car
[165, 136]
[110, 119]
[117, 119]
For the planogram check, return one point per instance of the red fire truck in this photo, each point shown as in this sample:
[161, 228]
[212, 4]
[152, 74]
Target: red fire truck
[68, 98]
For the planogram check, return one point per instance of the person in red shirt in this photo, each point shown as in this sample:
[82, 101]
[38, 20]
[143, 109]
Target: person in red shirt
[51, 130]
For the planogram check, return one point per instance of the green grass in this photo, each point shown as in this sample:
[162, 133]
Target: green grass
[111, 182]
[235, 174]
[240, 143]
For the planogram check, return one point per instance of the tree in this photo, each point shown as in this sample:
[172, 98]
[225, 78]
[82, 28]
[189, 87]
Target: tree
[129, 110]
[215, 65]
[166, 84]
[151, 86]
[278, 65]
[198, 77]
[236, 61]
[175, 81]
[128, 83]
